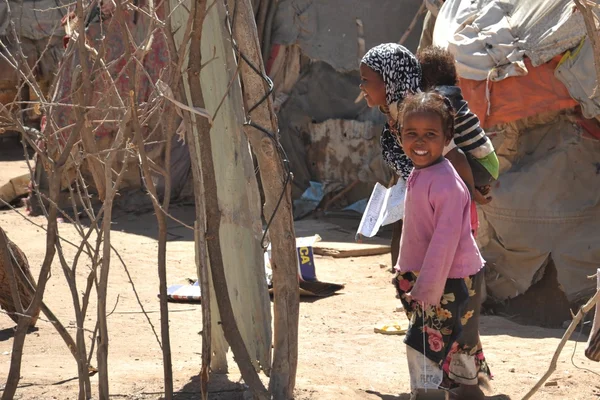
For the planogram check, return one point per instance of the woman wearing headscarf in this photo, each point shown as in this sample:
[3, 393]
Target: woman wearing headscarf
[389, 72]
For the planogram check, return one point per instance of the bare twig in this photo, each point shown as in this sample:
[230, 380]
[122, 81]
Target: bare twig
[179, 58]
[576, 320]
[160, 216]
[414, 21]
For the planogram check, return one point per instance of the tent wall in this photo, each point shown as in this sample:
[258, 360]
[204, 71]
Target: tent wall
[314, 63]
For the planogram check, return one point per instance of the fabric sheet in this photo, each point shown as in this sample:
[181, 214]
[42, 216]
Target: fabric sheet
[490, 38]
[543, 207]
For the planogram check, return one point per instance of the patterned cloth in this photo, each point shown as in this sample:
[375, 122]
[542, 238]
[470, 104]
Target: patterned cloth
[398, 67]
[106, 36]
[448, 334]
[401, 74]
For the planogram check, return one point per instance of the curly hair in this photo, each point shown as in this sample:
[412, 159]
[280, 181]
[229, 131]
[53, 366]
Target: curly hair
[438, 68]
[430, 102]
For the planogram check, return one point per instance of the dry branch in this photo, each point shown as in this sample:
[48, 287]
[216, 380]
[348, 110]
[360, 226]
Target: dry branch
[576, 320]
[275, 179]
[414, 21]
[19, 338]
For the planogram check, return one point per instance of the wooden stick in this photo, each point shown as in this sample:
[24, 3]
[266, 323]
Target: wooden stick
[202, 266]
[274, 179]
[593, 346]
[341, 194]
[582, 311]
[412, 24]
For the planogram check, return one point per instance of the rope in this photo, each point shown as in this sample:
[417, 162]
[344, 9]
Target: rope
[424, 349]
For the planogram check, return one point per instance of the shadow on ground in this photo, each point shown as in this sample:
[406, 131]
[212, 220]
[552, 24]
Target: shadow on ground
[9, 333]
[11, 149]
[219, 388]
[137, 218]
[403, 396]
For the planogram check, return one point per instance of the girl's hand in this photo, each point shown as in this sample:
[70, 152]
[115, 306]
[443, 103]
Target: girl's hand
[482, 197]
[408, 298]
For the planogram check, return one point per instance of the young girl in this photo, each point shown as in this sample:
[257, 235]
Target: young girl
[439, 270]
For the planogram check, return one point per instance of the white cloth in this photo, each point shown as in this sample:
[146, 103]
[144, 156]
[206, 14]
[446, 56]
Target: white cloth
[577, 72]
[493, 36]
[424, 373]
[450, 146]
[463, 369]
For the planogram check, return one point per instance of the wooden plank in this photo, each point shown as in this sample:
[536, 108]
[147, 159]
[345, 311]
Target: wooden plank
[343, 250]
[240, 227]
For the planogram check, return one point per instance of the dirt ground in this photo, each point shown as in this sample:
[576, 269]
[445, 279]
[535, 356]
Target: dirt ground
[340, 357]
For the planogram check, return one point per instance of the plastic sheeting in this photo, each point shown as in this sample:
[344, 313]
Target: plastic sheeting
[544, 206]
[493, 35]
[576, 70]
[314, 64]
[519, 97]
[33, 20]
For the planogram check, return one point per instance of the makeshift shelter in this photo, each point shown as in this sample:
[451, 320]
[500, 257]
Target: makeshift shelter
[39, 31]
[105, 36]
[314, 59]
[527, 69]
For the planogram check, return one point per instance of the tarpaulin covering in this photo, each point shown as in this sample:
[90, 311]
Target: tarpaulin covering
[486, 35]
[33, 20]
[37, 25]
[519, 97]
[327, 136]
[314, 63]
[578, 73]
[544, 205]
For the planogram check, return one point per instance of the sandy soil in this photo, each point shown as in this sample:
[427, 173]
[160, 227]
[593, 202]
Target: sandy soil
[340, 356]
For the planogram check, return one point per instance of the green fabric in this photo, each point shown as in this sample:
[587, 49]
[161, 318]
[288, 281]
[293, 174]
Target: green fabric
[491, 164]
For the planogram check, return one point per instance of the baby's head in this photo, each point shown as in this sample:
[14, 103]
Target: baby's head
[427, 127]
[438, 66]
[388, 73]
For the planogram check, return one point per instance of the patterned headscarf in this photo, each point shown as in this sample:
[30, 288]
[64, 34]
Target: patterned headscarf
[398, 67]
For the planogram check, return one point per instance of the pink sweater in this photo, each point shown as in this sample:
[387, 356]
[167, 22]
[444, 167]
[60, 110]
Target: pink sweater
[436, 235]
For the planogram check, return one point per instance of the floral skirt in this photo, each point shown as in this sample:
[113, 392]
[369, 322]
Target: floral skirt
[448, 334]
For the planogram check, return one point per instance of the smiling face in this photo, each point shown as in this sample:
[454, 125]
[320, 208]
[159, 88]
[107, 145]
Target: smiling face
[372, 86]
[423, 138]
